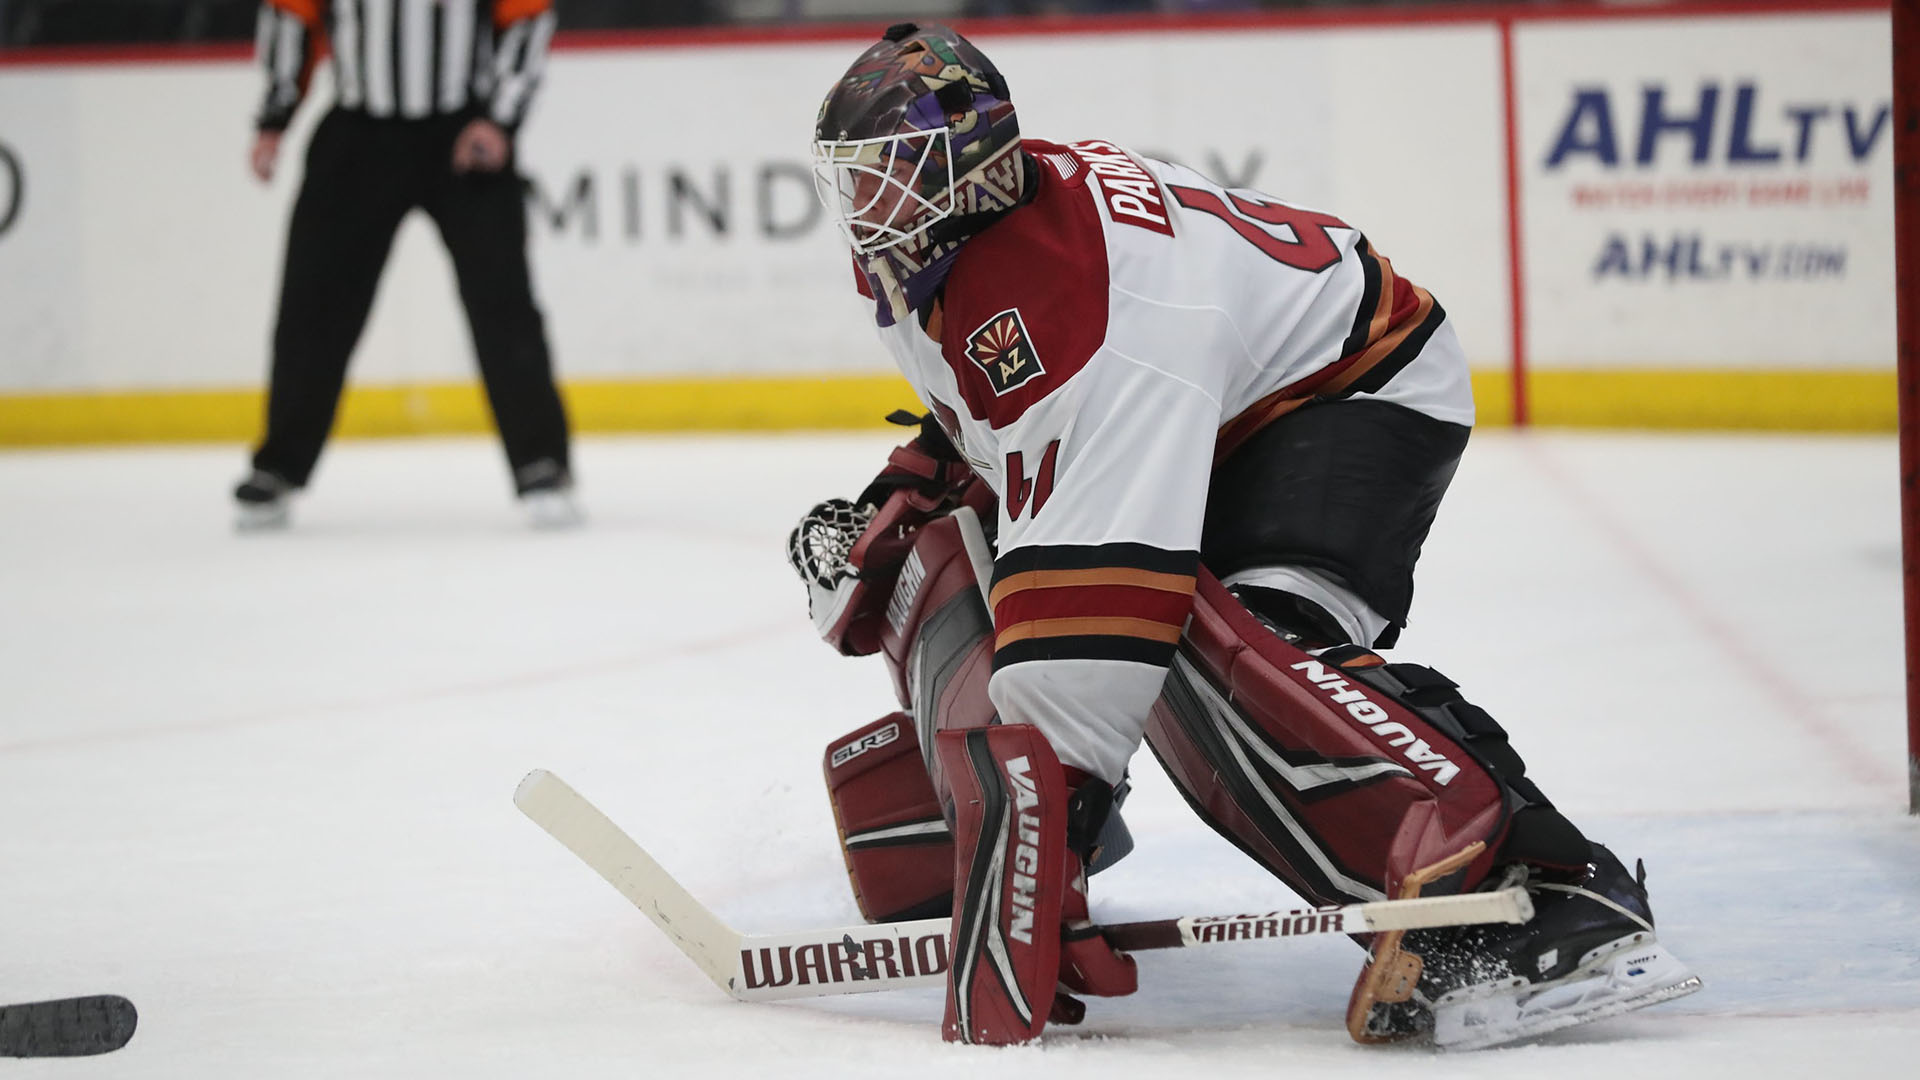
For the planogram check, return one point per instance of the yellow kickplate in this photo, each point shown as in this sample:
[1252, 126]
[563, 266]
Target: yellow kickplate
[785, 403]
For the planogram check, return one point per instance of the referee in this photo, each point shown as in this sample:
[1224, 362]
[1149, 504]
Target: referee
[429, 94]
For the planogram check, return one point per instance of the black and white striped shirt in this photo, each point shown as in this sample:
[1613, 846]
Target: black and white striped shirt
[407, 59]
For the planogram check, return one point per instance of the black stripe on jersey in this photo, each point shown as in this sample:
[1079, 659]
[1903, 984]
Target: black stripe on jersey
[1391, 364]
[375, 46]
[436, 54]
[526, 48]
[359, 56]
[1085, 647]
[1369, 300]
[396, 55]
[285, 46]
[480, 60]
[518, 67]
[1093, 557]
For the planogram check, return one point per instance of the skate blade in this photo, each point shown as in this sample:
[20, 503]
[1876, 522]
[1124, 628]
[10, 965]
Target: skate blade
[1616, 978]
[551, 510]
[262, 517]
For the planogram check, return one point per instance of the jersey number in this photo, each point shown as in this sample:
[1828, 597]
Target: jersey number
[1311, 249]
[1021, 491]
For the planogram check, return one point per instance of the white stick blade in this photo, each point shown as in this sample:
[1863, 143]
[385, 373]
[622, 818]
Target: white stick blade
[1502, 906]
[585, 831]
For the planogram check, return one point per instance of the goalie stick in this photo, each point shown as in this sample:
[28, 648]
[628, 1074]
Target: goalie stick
[69, 1027]
[895, 956]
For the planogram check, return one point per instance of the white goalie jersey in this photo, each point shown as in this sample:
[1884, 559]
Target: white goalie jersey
[1093, 355]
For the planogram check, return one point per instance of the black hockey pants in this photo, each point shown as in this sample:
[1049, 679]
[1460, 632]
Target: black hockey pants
[363, 176]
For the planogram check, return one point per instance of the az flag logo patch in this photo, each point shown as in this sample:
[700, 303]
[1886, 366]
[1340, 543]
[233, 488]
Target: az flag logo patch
[1004, 352]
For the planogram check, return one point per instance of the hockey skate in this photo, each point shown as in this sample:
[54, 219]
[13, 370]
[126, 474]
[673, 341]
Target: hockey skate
[1589, 953]
[545, 491]
[262, 500]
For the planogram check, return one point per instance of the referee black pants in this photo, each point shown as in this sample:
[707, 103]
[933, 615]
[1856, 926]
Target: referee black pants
[363, 176]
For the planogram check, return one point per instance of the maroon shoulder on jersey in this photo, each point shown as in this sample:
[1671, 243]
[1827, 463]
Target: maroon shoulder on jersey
[1025, 305]
[860, 279]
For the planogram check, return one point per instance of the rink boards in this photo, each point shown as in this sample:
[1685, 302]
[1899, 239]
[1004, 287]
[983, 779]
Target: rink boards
[1677, 218]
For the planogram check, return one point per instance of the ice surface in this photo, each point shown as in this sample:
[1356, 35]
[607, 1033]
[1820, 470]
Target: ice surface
[261, 784]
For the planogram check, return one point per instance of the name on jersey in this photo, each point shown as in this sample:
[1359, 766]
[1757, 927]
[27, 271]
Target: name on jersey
[1368, 714]
[1130, 192]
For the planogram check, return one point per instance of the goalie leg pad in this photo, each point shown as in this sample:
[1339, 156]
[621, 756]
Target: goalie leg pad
[1350, 778]
[1010, 841]
[1338, 788]
[937, 635]
[898, 849]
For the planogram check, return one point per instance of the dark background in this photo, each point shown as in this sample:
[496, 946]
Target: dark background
[82, 22]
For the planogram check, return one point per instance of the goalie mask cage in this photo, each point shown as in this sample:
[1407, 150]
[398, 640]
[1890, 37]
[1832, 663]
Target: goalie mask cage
[1906, 213]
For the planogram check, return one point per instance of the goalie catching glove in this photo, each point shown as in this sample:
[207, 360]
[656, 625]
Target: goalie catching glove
[849, 552]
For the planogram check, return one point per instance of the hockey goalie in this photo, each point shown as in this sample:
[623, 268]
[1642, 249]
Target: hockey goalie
[1181, 449]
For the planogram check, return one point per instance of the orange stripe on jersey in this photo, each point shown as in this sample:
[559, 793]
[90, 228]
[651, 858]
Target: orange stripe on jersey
[307, 11]
[1088, 627]
[1404, 314]
[1106, 575]
[1382, 319]
[1399, 301]
[1378, 350]
[512, 11]
[1131, 604]
[1121, 601]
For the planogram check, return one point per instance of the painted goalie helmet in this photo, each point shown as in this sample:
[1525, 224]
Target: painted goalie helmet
[915, 149]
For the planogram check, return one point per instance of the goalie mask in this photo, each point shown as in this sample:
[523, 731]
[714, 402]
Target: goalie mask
[915, 149]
